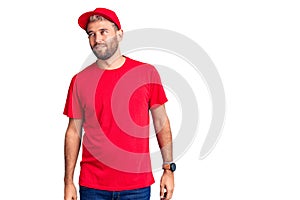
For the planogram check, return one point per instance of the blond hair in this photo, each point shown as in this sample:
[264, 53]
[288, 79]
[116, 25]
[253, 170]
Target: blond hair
[95, 18]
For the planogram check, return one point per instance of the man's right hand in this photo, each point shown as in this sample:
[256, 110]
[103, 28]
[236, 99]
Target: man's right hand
[70, 192]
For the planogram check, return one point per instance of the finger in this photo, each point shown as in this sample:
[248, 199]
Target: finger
[169, 194]
[162, 189]
[164, 196]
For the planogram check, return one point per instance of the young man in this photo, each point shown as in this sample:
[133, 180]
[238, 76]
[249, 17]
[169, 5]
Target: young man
[110, 100]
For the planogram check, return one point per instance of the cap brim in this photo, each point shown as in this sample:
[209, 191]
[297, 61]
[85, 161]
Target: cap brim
[84, 18]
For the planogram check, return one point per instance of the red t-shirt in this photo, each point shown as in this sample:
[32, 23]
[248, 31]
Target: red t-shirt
[114, 106]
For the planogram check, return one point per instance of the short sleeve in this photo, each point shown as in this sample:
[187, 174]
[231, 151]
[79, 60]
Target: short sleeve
[157, 92]
[73, 108]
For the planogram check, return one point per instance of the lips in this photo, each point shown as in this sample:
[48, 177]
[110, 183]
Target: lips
[99, 46]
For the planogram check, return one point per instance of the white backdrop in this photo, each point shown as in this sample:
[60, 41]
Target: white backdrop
[255, 46]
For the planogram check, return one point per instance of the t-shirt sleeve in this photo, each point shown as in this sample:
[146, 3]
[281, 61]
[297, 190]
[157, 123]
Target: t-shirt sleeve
[157, 92]
[73, 108]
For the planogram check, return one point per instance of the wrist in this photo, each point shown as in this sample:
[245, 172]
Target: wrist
[68, 181]
[168, 172]
[170, 166]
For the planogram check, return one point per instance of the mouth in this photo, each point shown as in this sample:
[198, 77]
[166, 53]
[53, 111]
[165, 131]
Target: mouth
[99, 46]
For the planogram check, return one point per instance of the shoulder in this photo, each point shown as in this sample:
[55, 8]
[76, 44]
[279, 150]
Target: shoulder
[88, 69]
[85, 74]
[136, 63]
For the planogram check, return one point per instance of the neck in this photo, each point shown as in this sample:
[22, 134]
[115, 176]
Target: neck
[114, 62]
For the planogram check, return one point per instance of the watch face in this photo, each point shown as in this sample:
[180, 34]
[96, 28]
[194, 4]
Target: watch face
[172, 167]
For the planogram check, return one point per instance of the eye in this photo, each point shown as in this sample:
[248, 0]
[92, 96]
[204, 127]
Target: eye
[104, 31]
[91, 34]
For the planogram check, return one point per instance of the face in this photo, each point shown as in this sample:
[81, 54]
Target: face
[104, 39]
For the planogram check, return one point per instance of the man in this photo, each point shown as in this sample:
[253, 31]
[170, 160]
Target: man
[110, 100]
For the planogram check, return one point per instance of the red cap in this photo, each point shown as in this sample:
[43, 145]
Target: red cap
[106, 13]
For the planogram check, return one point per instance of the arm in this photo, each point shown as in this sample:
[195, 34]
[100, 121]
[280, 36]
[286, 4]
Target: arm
[164, 138]
[72, 146]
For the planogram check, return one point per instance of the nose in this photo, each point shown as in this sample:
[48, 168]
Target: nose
[99, 37]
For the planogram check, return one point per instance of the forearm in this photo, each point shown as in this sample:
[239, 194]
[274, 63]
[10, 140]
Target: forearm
[164, 138]
[72, 146]
[163, 132]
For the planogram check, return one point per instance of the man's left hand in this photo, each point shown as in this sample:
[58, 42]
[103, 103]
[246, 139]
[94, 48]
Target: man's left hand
[167, 183]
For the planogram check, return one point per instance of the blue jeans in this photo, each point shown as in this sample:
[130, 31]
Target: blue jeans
[93, 194]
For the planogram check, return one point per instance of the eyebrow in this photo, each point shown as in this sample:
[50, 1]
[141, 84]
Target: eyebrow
[101, 29]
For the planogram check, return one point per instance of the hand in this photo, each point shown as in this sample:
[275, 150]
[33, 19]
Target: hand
[70, 192]
[167, 182]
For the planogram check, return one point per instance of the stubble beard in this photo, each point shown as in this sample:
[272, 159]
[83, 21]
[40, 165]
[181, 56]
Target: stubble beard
[107, 50]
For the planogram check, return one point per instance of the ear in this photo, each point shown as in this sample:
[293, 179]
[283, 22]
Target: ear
[120, 35]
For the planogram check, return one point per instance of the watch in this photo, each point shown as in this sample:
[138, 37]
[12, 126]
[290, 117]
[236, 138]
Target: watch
[169, 166]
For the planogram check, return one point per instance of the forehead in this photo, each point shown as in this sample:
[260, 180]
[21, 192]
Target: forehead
[99, 24]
